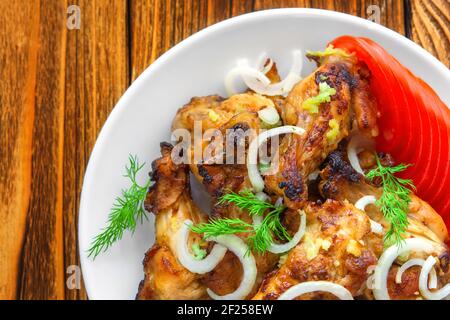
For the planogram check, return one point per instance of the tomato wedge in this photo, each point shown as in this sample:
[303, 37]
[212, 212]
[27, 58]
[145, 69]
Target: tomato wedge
[414, 123]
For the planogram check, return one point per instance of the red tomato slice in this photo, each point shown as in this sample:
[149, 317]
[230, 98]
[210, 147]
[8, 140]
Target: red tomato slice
[414, 124]
[442, 181]
[437, 157]
[422, 160]
[402, 122]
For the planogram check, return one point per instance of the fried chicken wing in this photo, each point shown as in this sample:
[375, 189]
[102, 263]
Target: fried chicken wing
[169, 199]
[237, 120]
[301, 156]
[341, 182]
[337, 246]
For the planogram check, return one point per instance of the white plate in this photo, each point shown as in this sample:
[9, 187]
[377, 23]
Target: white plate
[196, 67]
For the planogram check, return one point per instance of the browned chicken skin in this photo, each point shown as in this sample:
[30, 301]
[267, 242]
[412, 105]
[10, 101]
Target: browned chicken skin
[341, 182]
[301, 156]
[236, 116]
[169, 199]
[336, 247]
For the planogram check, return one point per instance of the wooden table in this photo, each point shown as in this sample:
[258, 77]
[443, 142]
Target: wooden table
[59, 85]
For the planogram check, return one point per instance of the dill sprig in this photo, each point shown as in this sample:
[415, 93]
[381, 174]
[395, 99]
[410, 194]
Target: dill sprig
[126, 211]
[262, 234]
[270, 226]
[394, 201]
[218, 227]
[246, 200]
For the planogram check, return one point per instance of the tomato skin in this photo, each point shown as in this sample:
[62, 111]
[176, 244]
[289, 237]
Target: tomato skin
[443, 118]
[414, 124]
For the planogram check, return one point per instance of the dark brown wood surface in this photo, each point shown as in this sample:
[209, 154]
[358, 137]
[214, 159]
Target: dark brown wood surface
[59, 85]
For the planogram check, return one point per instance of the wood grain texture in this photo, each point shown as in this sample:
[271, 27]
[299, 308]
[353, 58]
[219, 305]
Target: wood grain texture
[430, 25]
[43, 252]
[18, 59]
[97, 74]
[391, 11]
[62, 84]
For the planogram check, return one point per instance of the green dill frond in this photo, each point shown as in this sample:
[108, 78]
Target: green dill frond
[246, 200]
[261, 235]
[269, 228]
[126, 211]
[217, 227]
[394, 202]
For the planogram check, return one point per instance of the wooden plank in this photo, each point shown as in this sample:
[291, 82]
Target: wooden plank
[157, 25]
[391, 11]
[18, 65]
[430, 23]
[42, 274]
[97, 74]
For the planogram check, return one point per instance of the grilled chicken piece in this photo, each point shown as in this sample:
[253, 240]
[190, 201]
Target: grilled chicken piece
[215, 112]
[169, 199]
[337, 246]
[237, 120]
[341, 182]
[301, 156]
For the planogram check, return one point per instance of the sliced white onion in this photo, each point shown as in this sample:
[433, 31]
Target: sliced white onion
[252, 158]
[352, 154]
[269, 115]
[313, 175]
[284, 86]
[426, 293]
[188, 261]
[289, 82]
[416, 262]
[356, 145]
[388, 257]
[257, 220]
[314, 286]
[239, 248]
[280, 248]
[257, 80]
[375, 227]
[371, 269]
[364, 201]
[262, 63]
[262, 196]
[246, 71]
[369, 282]
[361, 205]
